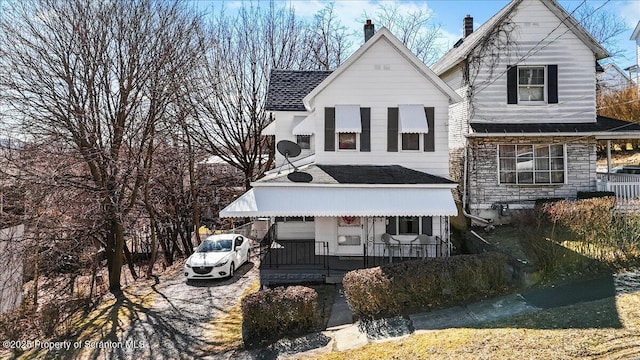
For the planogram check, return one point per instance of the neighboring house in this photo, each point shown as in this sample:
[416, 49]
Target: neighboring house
[374, 138]
[634, 70]
[612, 79]
[527, 128]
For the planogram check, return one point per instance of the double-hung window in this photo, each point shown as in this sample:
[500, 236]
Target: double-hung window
[531, 84]
[532, 164]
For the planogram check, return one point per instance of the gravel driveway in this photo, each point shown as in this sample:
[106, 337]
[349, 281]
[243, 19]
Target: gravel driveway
[173, 326]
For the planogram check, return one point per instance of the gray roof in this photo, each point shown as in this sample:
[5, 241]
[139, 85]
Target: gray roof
[603, 124]
[287, 88]
[457, 54]
[384, 174]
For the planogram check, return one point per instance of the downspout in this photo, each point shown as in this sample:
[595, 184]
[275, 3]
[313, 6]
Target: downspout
[464, 194]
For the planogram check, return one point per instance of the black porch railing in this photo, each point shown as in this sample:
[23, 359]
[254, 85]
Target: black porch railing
[378, 253]
[307, 253]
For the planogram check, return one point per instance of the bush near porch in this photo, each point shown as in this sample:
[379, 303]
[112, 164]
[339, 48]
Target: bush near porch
[421, 285]
[272, 314]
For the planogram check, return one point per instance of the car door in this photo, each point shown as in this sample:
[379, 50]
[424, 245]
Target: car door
[238, 253]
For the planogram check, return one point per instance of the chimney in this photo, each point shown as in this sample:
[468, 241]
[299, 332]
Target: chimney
[369, 29]
[467, 25]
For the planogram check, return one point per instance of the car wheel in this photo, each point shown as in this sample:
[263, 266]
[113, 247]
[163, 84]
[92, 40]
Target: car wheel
[232, 268]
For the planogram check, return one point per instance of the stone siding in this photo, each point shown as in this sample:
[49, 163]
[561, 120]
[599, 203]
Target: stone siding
[484, 189]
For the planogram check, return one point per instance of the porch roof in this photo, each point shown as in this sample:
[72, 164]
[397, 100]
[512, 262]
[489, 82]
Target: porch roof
[342, 201]
[604, 126]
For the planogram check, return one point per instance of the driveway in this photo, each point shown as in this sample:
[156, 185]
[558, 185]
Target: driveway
[173, 326]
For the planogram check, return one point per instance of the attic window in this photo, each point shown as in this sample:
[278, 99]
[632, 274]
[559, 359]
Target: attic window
[531, 83]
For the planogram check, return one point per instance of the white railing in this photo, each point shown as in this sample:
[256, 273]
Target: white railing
[625, 186]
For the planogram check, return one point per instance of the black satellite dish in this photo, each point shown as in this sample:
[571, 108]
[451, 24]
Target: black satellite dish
[300, 177]
[290, 149]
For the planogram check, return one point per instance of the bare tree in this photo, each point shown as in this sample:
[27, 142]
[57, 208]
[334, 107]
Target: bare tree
[97, 77]
[603, 25]
[416, 29]
[328, 40]
[231, 93]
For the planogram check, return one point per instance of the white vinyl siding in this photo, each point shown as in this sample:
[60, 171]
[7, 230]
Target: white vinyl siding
[380, 88]
[576, 72]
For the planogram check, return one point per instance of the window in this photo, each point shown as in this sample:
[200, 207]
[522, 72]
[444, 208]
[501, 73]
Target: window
[304, 141]
[410, 141]
[531, 83]
[531, 164]
[294, 218]
[409, 225]
[347, 141]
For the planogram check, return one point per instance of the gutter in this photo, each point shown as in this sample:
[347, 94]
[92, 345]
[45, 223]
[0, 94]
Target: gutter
[464, 194]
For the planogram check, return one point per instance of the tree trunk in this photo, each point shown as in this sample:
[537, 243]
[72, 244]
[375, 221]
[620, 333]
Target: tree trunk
[115, 245]
[127, 256]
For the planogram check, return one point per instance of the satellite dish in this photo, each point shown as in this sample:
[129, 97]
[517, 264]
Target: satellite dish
[288, 148]
[300, 177]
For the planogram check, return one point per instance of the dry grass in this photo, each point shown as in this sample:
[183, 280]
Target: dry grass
[225, 331]
[551, 334]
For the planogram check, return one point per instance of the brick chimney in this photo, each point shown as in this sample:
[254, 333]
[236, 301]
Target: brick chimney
[369, 29]
[467, 24]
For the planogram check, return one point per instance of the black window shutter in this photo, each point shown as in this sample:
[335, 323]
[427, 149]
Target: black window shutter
[512, 85]
[552, 87]
[427, 225]
[392, 130]
[365, 135]
[429, 138]
[391, 225]
[329, 129]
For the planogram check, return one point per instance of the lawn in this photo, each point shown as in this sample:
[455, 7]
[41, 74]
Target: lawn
[594, 330]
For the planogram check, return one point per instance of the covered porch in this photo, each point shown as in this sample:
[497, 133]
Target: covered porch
[625, 185]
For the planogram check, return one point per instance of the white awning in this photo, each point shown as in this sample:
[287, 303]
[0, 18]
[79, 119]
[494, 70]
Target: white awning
[269, 129]
[303, 125]
[348, 119]
[342, 201]
[412, 119]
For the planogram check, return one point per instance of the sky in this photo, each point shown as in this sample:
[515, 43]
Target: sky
[449, 14]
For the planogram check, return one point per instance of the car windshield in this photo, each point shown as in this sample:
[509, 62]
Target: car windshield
[221, 245]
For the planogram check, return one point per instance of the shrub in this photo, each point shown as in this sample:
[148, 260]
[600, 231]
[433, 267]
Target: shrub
[272, 314]
[420, 285]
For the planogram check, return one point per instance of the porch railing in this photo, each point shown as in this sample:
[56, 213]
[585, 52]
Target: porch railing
[625, 186]
[378, 253]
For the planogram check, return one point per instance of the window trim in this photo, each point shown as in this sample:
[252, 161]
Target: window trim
[544, 86]
[533, 170]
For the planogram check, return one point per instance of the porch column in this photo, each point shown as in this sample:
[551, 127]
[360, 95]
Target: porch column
[608, 156]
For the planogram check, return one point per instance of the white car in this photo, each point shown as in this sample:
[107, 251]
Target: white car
[218, 256]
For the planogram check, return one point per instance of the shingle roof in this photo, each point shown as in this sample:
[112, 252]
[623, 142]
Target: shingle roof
[287, 88]
[390, 174]
[603, 124]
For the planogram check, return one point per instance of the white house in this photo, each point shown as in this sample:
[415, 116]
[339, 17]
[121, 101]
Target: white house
[634, 69]
[612, 79]
[527, 127]
[374, 147]
[12, 254]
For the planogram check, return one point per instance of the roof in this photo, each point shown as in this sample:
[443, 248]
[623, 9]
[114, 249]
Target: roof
[288, 87]
[372, 174]
[458, 54]
[342, 201]
[384, 33]
[358, 174]
[636, 32]
[602, 125]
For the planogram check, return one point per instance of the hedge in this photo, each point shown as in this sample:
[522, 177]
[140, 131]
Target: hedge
[421, 285]
[273, 314]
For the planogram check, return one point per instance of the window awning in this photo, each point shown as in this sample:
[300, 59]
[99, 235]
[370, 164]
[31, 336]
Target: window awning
[342, 201]
[348, 119]
[412, 119]
[269, 129]
[303, 125]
